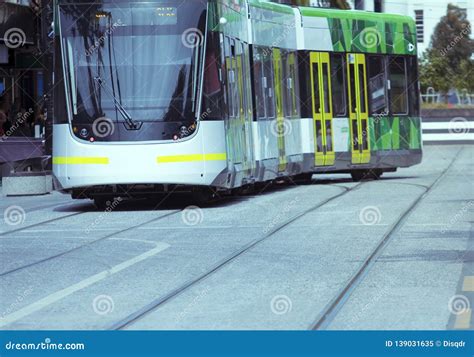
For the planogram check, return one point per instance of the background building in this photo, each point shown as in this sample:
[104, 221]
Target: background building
[21, 67]
[427, 13]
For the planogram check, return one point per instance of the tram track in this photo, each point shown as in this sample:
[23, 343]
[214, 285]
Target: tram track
[325, 316]
[38, 224]
[149, 308]
[153, 305]
[331, 310]
[108, 236]
[75, 214]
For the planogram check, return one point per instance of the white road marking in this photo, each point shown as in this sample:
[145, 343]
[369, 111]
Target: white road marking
[448, 125]
[69, 230]
[193, 227]
[448, 137]
[61, 294]
[427, 224]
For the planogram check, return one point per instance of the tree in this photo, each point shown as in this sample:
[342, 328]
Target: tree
[340, 4]
[451, 37]
[465, 78]
[447, 63]
[435, 72]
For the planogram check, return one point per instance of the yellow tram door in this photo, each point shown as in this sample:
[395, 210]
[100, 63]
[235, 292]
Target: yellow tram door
[322, 109]
[358, 108]
[280, 116]
[241, 132]
[236, 128]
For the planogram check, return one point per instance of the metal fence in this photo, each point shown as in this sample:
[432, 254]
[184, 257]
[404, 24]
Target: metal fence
[452, 98]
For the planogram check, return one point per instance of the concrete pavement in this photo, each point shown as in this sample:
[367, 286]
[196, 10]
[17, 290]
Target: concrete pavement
[244, 263]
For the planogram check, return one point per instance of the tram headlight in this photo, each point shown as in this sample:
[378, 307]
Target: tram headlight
[84, 133]
[183, 131]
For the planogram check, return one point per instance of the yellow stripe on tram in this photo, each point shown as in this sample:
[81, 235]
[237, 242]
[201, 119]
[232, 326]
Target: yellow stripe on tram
[191, 158]
[80, 160]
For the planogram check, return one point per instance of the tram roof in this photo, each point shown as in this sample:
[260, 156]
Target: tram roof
[336, 13]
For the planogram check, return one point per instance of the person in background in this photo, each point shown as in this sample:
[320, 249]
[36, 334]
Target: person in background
[40, 120]
[23, 123]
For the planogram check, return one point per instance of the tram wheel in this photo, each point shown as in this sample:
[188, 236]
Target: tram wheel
[203, 196]
[303, 179]
[360, 175]
[364, 175]
[376, 174]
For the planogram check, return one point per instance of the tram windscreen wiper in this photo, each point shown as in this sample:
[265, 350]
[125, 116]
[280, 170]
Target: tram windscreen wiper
[128, 118]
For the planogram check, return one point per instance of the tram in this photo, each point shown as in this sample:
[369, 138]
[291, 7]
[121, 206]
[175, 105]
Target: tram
[154, 96]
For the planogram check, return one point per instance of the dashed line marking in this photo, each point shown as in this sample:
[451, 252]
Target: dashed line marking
[61, 294]
[468, 284]
[463, 320]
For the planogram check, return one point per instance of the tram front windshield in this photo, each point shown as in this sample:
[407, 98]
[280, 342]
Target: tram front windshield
[136, 59]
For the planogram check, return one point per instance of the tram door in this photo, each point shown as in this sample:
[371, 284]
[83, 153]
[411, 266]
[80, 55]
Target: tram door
[358, 108]
[280, 116]
[322, 109]
[238, 126]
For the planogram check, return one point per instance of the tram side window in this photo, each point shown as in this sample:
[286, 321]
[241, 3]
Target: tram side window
[327, 105]
[237, 80]
[316, 96]
[338, 83]
[264, 82]
[259, 81]
[290, 85]
[230, 76]
[362, 87]
[378, 95]
[352, 88]
[398, 86]
[269, 83]
[213, 97]
[413, 88]
[60, 109]
[247, 93]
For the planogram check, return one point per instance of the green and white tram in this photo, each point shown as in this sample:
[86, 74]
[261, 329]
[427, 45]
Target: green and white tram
[158, 95]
